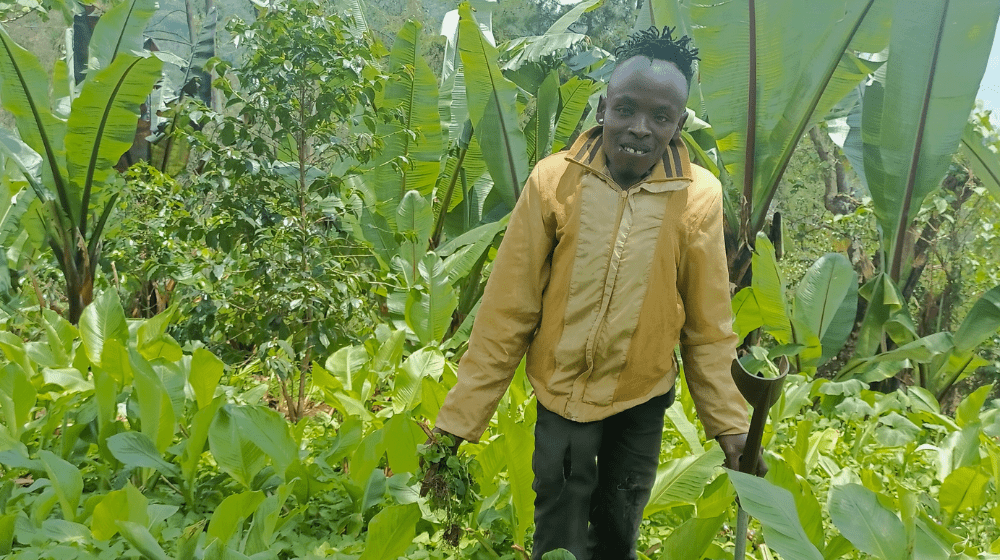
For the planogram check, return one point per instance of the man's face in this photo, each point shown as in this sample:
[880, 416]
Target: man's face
[644, 110]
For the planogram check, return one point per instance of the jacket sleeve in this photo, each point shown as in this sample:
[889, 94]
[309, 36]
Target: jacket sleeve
[510, 311]
[708, 344]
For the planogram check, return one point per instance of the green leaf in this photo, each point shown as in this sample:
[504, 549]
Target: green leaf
[345, 363]
[406, 389]
[982, 321]
[127, 504]
[769, 291]
[152, 340]
[983, 158]
[235, 454]
[872, 528]
[806, 505]
[103, 320]
[66, 479]
[402, 435]
[913, 122]
[119, 31]
[102, 125]
[135, 449]
[415, 220]
[231, 512]
[539, 129]
[746, 313]
[826, 301]
[969, 408]
[492, 109]
[682, 480]
[141, 539]
[195, 444]
[206, 371]
[964, 488]
[156, 410]
[573, 98]
[17, 398]
[774, 508]
[896, 431]
[429, 312]
[690, 540]
[268, 431]
[571, 16]
[416, 141]
[800, 74]
[391, 532]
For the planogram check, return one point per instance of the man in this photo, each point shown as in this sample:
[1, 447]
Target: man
[613, 255]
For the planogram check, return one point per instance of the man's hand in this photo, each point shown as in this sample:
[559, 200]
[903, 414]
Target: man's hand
[732, 445]
[441, 445]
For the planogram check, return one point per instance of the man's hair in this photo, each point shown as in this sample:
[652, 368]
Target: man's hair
[660, 45]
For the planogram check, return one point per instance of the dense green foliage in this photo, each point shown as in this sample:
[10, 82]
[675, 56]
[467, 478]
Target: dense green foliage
[282, 290]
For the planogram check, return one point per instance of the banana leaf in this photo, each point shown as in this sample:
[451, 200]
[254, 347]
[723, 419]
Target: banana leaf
[538, 133]
[102, 126]
[573, 98]
[913, 122]
[415, 141]
[119, 31]
[493, 110]
[768, 72]
[983, 158]
[826, 301]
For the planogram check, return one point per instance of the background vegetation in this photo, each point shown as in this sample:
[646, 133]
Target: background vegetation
[244, 243]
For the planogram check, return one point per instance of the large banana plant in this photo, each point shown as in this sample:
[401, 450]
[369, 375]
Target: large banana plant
[769, 70]
[452, 167]
[78, 152]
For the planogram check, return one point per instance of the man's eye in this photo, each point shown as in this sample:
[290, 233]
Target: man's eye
[624, 111]
[662, 119]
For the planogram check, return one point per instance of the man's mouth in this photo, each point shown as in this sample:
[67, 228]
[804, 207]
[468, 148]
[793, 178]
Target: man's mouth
[634, 150]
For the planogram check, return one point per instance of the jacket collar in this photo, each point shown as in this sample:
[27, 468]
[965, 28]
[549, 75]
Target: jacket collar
[672, 173]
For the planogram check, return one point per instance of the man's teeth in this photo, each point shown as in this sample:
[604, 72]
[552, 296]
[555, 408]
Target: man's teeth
[633, 150]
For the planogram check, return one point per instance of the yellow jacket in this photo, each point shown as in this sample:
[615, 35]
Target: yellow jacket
[599, 284]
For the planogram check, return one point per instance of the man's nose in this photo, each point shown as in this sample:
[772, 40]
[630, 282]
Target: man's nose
[640, 126]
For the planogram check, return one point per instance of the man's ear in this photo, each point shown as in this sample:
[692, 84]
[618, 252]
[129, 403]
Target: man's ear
[680, 126]
[601, 106]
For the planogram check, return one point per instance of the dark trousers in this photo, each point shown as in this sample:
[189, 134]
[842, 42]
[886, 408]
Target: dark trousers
[593, 479]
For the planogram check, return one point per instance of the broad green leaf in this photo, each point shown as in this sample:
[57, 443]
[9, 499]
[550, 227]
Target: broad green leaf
[156, 410]
[808, 508]
[826, 301]
[367, 456]
[968, 409]
[983, 159]
[746, 313]
[686, 429]
[268, 431]
[127, 504]
[426, 362]
[872, 528]
[103, 320]
[913, 121]
[135, 449]
[797, 55]
[7, 532]
[402, 435]
[231, 512]
[769, 291]
[571, 16]
[415, 220]
[152, 340]
[206, 371]
[982, 321]
[391, 532]
[682, 480]
[235, 454]
[690, 540]
[415, 143]
[573, 98]
[896, 431]
[29, 163]
[538, 133]
[140, 538]
[102, 125]
[17, 398]
[197, 436]
[429, 311]
[492, 109]
[518, 445]
[965, 488]
[66, 479]
[884, 300]
[345, 363]
[119, 31]
[774, 508]
[24, 92]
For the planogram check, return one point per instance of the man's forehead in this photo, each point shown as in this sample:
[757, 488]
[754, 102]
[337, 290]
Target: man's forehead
[659, 103]
[645, 65]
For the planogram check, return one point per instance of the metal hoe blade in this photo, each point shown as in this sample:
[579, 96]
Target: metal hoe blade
[761, 393]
